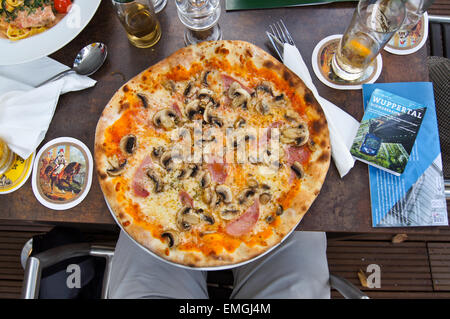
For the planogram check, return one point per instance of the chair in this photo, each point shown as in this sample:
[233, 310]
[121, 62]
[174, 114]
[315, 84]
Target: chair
[439, 35]
[35, 265]
[439, 70]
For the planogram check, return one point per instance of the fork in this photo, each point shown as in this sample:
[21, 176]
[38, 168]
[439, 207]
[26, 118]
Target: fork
[279, 35]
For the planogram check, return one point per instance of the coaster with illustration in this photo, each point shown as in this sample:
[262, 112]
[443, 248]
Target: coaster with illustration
[62, 173]
[17, 174]
[404, 42]
[321, 62]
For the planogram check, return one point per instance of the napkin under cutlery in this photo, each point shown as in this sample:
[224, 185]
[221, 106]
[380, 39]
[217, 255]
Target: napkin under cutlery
[26, 111]
[342, 126]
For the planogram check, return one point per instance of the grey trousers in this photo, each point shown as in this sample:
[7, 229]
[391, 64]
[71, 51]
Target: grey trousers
[298, 268]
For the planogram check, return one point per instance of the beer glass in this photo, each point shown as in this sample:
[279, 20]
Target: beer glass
[138, 17]
[6, 157]
[374, 22]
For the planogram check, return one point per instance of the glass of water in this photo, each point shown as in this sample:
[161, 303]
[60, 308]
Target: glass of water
[374, 22]
[159, 5]
[200, 17]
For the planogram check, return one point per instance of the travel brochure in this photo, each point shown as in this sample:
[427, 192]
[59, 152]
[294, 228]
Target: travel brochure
[416, 197]
[388, 131]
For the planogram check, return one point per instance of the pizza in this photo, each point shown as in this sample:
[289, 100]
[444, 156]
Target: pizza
[212, 156]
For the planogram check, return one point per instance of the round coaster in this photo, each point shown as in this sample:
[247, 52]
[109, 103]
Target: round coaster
[62, 173]
[403, 42]
[321, 62]
[16, 175]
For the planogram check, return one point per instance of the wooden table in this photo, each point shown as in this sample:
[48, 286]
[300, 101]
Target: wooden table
[343, 204]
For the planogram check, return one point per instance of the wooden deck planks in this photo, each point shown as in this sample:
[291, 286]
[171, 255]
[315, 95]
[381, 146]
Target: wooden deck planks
[404, 266]
[416, 268]
[440, 7]
[440, 265]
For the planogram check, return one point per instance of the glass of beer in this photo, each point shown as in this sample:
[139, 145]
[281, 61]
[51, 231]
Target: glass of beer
[6, 157]
[138, 17]
[373, 24]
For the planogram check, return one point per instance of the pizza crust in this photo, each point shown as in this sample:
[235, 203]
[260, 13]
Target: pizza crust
[234, 52]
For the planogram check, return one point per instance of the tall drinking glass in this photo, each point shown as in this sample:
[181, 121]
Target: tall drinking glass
[374, 22]
[200, 17]
[138, 17]
[159, 5]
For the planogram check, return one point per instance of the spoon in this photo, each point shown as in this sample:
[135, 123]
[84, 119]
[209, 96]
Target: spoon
[87, 61]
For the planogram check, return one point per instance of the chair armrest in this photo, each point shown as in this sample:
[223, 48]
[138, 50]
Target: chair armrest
[346, 288]
[438, 18]
[35, 264]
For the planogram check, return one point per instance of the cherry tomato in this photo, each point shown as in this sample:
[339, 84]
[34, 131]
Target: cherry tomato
[61, 6]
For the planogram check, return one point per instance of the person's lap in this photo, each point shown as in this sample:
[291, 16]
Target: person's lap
[298, 268]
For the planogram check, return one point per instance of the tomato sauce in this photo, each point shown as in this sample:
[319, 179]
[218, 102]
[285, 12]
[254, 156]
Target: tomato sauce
[217, 242]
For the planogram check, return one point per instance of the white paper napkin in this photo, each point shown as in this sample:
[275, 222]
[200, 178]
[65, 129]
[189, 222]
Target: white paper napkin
[25, 111]
[342, 126]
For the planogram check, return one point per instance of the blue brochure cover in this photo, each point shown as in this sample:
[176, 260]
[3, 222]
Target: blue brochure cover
[388, 131]
[416, 198]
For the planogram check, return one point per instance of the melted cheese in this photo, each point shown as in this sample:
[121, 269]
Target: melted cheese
[157, 212]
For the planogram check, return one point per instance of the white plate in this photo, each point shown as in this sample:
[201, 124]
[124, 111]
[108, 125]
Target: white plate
[45, 43]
